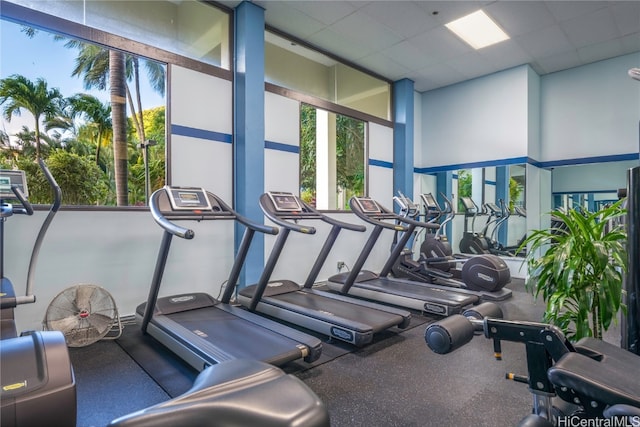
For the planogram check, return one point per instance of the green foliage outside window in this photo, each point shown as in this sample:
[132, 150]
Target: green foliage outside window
[350, 161]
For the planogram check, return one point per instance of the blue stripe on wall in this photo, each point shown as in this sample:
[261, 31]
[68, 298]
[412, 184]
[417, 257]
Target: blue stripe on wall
[529, 160]
[282, 147]
[488, 163]
[200, 133]
[380, 163]
[587, 160]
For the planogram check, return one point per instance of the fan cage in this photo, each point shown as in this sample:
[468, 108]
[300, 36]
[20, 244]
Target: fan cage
[84, 313]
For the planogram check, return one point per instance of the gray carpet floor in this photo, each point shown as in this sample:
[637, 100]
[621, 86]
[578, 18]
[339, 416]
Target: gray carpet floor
[396, 381]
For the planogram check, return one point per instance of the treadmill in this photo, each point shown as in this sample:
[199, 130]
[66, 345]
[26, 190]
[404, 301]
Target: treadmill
[379, 287]
[195, 326]
[337, 316]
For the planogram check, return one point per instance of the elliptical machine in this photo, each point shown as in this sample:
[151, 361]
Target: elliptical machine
[472, 242]
[484, 276]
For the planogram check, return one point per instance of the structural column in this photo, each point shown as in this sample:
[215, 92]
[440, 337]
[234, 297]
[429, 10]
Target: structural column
[403, 122]
[248, 129]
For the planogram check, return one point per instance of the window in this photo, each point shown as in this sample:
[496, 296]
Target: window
[291, 65]
[332, 158]
[57, 102]
[194, 29]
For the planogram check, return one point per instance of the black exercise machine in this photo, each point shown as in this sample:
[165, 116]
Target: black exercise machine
[337, 316]
[198, 328]
[37, 377]
[484, 275]
[472, 242]
[593, 379]
[379, 287]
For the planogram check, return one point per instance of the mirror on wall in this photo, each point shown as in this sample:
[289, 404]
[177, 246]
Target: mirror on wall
[589, 186]
[481, 186]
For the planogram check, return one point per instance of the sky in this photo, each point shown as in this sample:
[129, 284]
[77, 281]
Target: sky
[42, 56]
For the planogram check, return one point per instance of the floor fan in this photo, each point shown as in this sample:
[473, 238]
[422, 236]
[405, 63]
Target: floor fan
[84, 313]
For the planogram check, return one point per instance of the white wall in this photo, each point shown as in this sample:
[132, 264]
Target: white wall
[203, 103]
[590, 111]
[282, 125]
[116, 250]
[380, 178]
[478, 120]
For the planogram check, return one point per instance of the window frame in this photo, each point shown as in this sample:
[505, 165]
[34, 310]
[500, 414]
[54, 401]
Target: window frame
[33, 18]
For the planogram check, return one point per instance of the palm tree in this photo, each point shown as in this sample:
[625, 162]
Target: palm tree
[96, 113]
[99, 66]
[18, 92]
[118, 92]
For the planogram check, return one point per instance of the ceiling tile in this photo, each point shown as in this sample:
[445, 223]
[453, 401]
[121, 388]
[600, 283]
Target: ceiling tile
[361, 28]
[595, 27]
[600, 51]
[451, 10]
[337, 44]
[384, 66]
[520, 17]
[292, 21]
[559, 61]
[626, 15]
[326, 11]
[440, 43]
[406, 21]
[564, 10]
[412, 57]
[472, 65]
[506, 54]
[545, 42]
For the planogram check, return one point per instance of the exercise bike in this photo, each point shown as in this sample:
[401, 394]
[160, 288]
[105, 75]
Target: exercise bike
[38, 385]
[590, 379]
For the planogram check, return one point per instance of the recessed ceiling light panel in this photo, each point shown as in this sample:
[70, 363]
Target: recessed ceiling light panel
[478, 30]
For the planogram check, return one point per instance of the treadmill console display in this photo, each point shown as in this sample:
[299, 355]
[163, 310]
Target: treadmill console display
[9, 178]
[188, 199]
[285, 202]
[367, 205]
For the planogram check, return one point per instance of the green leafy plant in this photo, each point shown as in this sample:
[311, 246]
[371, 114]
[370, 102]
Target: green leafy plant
[577, 266]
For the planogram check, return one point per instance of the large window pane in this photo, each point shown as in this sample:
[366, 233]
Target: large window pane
[58, 103]
[332, 158]
[190, 28]
[296, 67]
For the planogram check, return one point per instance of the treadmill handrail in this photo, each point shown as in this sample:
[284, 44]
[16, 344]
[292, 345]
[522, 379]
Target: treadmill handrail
[261, 228]
[410, 221]
[187, 233]
[377, 218]
[162, 221]
[308, 213]
[332, 221]
[270, 213]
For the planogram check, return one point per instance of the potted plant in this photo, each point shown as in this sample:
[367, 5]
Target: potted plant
[577, 266]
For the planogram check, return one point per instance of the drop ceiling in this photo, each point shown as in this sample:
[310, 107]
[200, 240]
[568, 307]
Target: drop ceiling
[408, 39]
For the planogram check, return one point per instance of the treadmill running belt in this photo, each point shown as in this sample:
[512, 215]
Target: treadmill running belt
[238, 337]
